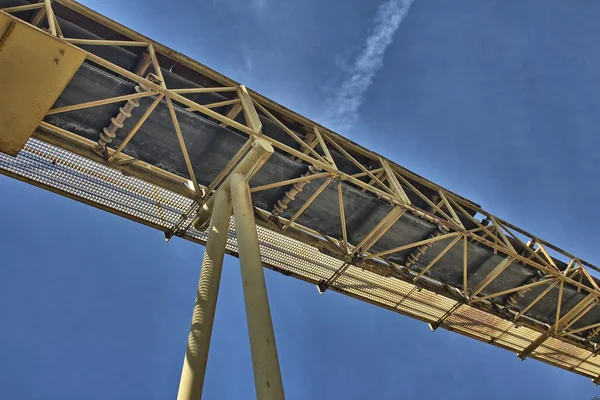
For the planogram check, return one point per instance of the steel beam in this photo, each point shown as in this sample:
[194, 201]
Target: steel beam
[227, 82]
[413, 245]
[434, 325]
[532, 346]
[194, 367]
[267, 375]
[501, 241]
[570, 317]
[498, 269]
[26, 7]
[51, 20]
[196, 354]
[395, 185]
[257, 155]
[381, 229]
[436, 259]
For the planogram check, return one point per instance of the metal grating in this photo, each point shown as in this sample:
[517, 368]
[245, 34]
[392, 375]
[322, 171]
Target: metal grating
[77, 177]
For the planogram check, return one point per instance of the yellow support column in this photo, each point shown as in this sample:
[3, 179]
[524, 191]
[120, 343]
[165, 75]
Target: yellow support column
[196, 355]
[219, 206]
[267, 375]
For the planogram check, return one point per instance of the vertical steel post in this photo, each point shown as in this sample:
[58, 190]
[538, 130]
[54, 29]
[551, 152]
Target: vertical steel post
[267, 375]
[219, 206]
[196, 355]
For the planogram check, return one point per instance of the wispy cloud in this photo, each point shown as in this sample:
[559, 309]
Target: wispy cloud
[257, 6]
[248, 63]
[358, 77]
[260, 5]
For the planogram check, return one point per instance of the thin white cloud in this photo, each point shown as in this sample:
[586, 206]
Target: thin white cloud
[344, 105]
[248, 63]
[257, 6]
[260, 5]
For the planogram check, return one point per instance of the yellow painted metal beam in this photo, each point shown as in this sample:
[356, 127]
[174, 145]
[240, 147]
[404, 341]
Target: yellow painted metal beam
[101, 102]
[500, 242]
[252, 118]
[394, 183]
[196, 354]
[265, 362]
[25, 7]
[324, 146]
[498, 269]
[436, 258]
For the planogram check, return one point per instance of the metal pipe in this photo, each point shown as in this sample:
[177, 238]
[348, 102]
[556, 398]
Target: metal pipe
[109, 132]
[267, 375]
[51, 20]
[282, 204]
[512, 300]
[196, 354]
[260, 151]
[415, 255]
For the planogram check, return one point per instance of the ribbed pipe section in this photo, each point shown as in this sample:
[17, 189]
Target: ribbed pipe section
[416, 255]
[282, 204]
[109, 132]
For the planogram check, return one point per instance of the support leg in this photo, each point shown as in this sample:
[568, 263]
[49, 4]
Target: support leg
[261, 150]
[267, 376]
[196, 355]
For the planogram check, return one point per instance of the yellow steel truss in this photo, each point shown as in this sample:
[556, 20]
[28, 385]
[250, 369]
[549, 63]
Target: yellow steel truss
[332, 262]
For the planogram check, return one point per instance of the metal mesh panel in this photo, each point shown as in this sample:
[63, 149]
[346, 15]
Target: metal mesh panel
[55, 169]
[517, 338]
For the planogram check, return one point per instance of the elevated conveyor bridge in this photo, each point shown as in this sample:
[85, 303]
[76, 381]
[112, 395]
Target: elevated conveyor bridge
[98, 113]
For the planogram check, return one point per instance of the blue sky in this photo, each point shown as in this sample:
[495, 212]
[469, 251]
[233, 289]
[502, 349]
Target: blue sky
[495, 100]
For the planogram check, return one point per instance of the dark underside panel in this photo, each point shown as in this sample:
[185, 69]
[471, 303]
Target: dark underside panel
[211, 146]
